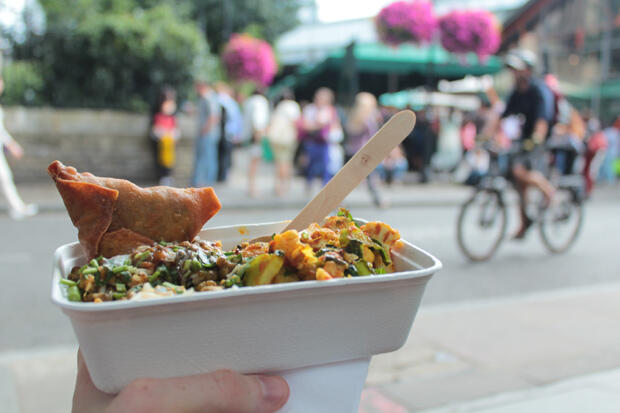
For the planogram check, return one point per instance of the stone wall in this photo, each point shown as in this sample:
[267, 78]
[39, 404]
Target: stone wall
[104, 142]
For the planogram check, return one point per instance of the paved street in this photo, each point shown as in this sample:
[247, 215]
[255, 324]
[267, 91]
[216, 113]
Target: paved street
[33, 328]
[26, 251]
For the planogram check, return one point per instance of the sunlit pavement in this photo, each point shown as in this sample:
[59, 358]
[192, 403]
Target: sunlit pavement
[514, 347]
[476, 334]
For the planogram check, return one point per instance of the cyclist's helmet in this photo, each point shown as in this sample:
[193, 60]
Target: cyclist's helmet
[520, 59]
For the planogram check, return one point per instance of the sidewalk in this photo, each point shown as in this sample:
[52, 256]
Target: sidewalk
[459, 353]
[499, 356]
[598, 393]
[233, 194]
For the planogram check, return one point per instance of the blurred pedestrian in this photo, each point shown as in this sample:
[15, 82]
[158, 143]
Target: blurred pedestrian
[17, 208]
[231, 125]
[567, 132]
[596, 150]
[612, 135]
[255, 122]
[393, 168]
[363, 123]
[478, 161]
[209, 113]
[282, 134]
[449, 149]
[419, 145]
[318, 119]
[164, 133]
[593, 123]
[468, 133]
[335, 151]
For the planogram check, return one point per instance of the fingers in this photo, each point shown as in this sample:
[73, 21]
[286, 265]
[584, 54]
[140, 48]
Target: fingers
[86, 397]
[222, 391]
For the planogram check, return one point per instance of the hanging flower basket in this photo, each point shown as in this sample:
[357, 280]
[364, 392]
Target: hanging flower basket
[249, 59]
[406, 22]
[470, 31]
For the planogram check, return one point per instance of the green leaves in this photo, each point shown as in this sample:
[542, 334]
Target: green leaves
[118, 53]
[24, 83]
[343, 212]
[112, 53]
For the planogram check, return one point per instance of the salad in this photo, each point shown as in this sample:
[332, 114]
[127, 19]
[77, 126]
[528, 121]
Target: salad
[340, 248]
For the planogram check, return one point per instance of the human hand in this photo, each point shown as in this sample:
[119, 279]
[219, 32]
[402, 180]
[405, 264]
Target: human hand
[222, 391]
[15, 149]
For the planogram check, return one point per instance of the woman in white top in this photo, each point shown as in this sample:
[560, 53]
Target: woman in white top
[255, 122]
[17, 208]
[282, 134]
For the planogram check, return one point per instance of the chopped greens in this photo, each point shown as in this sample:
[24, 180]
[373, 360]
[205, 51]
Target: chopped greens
[338, 249]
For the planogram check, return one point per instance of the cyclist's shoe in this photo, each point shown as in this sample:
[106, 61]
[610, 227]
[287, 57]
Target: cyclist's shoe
[525, 226]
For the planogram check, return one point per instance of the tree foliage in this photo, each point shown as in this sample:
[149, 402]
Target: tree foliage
[108, 53]
[24, 84]
[118, 53]
[220, 18]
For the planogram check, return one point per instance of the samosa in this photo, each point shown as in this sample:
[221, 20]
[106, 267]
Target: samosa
[114, 216]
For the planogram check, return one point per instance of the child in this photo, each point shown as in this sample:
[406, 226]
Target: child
[165, 134]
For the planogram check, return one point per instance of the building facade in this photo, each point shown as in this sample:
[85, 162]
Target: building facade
[579, 42]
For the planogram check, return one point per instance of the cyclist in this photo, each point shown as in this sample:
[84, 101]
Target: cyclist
[533, 103]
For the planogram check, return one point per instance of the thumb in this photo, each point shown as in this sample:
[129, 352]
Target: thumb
[222, 391]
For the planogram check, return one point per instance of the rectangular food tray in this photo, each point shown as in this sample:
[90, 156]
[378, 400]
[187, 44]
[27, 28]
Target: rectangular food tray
[268, 328]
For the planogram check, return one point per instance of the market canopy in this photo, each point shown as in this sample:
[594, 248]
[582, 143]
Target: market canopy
[419, 98]
[433, 60]
[609, 89]
[380, 68]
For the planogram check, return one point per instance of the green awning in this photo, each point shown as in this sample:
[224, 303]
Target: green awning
[375, 63]
[433, 60]
[608, 90]
[420, 98]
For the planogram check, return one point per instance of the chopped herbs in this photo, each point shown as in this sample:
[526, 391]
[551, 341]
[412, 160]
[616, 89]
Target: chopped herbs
[73, 293]
[339, 249]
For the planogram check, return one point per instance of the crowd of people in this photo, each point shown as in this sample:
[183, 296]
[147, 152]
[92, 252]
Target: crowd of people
[314, 139]
[311, 139]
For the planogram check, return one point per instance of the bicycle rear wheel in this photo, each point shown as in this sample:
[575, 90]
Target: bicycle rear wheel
[560, 223]
[481, 225]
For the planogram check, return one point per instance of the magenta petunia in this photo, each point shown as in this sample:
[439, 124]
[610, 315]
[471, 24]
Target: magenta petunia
[470, 31]
[249, 59]
[406, 21]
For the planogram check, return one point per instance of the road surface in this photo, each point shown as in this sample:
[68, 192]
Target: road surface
[30, 321]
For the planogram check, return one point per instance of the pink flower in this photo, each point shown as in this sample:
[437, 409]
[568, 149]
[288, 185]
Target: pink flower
[406, 21]
[251, 59]
[470, 31]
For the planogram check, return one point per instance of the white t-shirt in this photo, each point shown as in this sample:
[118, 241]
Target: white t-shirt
[283, 128]
[255, 115]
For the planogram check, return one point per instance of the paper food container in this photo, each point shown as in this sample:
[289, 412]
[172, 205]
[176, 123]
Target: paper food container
[319, 335]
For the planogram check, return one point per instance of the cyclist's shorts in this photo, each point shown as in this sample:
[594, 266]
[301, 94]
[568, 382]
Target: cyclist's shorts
[533, 160]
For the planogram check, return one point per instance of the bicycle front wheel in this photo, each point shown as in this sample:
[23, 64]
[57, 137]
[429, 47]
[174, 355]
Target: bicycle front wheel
[481, 225]
[561, 221]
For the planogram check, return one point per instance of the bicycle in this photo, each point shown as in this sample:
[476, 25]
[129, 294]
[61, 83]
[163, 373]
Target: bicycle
[483, 218]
